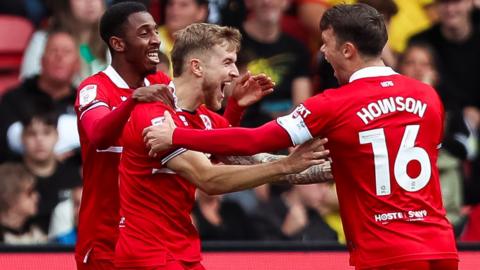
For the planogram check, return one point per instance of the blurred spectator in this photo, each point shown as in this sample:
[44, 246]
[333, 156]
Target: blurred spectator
[456, 40]
[80, 18]
[18, 203]
[63, 225]
[302, 20]
[295, 215]
[216, 219]
[52, 86]
[178, 15]
[54, 179]
[268, 50]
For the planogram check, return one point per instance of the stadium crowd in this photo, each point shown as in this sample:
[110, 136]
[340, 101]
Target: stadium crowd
[433, 41]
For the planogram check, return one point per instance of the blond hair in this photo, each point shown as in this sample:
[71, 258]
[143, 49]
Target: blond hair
[199, 38]
[13, 177]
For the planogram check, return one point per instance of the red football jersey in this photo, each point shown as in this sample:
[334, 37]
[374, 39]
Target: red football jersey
[384, 130]
[99, 209]
[155, 202]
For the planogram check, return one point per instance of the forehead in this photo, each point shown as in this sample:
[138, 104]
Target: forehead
[60, 39]
[138, 20]
[224, 50]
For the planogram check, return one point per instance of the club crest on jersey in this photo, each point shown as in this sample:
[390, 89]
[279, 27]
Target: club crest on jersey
[87, 94]
[157, 121]
[206, 121]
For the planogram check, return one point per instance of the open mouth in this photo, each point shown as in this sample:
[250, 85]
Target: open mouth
[223, 86]
[153, 56]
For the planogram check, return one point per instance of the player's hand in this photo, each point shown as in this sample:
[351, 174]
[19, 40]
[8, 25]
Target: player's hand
[159, 138]
[154, 92]
[305, 155]
[250, 89]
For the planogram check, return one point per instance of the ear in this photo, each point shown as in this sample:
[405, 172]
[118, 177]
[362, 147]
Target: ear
[349, 50]
[196, 67]
[117, 44]
[202, 13]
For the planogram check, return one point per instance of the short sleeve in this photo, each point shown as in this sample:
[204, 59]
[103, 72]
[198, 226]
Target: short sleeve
[308, 120]
[90, 94]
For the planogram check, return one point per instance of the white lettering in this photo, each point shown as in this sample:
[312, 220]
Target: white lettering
[365, 115]
[392, 104]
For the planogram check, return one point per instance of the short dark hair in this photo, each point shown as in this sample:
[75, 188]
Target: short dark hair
[360, 24]
[387, 8]
[40, 111]
[114, 18]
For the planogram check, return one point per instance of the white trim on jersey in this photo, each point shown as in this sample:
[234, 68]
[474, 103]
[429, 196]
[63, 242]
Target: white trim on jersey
[111, 149]
[175, 153]
[371, 72]
[98, 104]
[163, 170]
[118, 80]
[295, 127]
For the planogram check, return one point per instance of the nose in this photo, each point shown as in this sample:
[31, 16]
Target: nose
[155, 39]
[234, 72]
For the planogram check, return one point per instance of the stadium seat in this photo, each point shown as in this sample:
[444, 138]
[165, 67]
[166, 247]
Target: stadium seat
[15, 32]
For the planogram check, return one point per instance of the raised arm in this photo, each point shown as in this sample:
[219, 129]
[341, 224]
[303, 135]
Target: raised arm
[217, 179]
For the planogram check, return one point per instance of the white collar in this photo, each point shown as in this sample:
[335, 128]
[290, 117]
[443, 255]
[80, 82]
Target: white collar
[117, 79]
[371, 72]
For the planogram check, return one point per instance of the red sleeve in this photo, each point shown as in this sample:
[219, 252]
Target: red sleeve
[234, 141]
[233, 112]
[103, 127]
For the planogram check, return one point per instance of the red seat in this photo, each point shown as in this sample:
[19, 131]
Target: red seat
[15, 32]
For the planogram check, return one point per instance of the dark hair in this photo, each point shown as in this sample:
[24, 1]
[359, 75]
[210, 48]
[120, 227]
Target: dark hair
[359, 24]
[113, 20]
[387, 8]
[40, 111]
[13, 177]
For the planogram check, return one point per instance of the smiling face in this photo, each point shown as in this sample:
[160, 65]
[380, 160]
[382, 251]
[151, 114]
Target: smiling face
[141, 42]
[219, 71]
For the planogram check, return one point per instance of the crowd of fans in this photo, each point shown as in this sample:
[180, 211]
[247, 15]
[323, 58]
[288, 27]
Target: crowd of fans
[40, 175]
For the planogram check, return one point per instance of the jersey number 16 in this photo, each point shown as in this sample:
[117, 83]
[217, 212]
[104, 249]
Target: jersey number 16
[407, 152]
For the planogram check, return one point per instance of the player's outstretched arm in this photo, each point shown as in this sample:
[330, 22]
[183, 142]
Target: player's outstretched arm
[217, 179]
[230, 141]
[104, 126]
[315, 174]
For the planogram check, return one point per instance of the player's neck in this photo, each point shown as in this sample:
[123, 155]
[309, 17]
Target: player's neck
[128, 73]
[188, 93]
